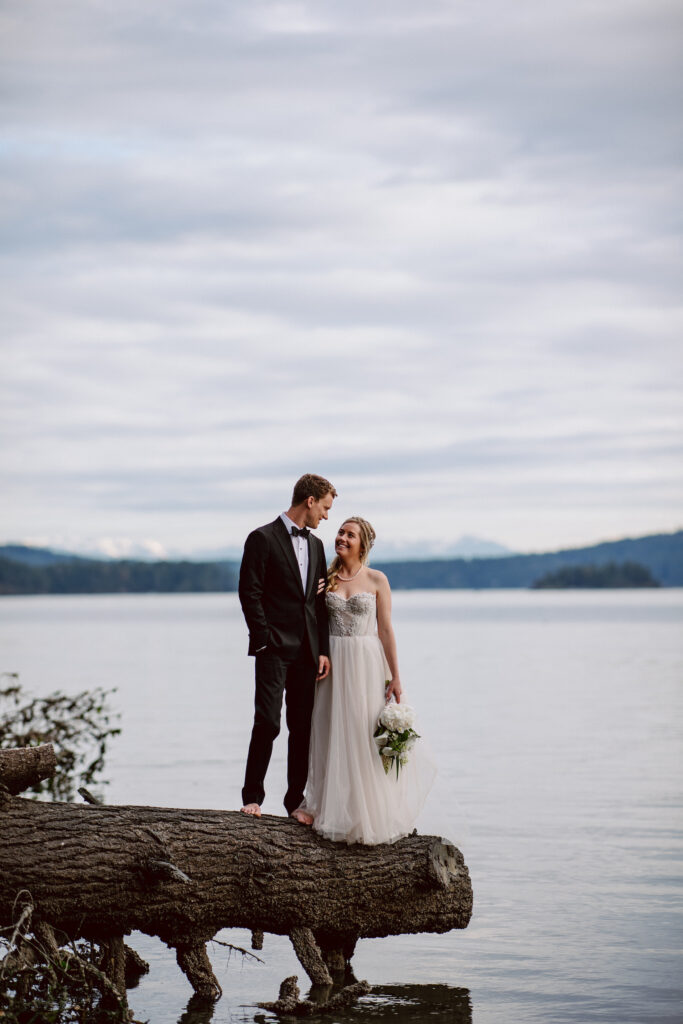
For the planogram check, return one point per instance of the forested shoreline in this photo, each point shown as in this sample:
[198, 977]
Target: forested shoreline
[40, 571]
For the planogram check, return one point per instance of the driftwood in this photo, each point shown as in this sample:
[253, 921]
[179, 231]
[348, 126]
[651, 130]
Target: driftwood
[26, 766]
[290, 1003]
[99, 872]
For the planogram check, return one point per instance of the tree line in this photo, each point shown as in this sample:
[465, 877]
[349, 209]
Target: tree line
[117, 577]
[659, 555]
[614, 575]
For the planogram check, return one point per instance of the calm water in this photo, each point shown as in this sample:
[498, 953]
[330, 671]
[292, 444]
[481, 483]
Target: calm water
[557, 722]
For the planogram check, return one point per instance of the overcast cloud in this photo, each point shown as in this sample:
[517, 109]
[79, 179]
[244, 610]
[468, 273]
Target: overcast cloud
[432, 251]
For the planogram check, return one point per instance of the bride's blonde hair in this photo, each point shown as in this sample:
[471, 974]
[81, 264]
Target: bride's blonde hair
[367, 539]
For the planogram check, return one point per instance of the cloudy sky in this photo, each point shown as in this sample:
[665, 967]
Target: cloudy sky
[430, 250]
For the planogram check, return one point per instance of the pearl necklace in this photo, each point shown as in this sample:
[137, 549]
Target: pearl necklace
[347, 579]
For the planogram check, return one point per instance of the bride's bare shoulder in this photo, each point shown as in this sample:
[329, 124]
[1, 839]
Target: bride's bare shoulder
[378, 578]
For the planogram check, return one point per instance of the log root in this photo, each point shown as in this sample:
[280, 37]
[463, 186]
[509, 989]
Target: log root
[135, 966]
[194, 962]
[337, 958]
[310, 956]
[289, 1001]
[114, 963]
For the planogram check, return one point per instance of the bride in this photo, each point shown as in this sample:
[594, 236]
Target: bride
[348, 793]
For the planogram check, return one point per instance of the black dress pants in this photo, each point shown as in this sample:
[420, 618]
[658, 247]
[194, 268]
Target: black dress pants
[295, 678]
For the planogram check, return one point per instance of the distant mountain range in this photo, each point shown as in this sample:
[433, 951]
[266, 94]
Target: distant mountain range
[27, 570]
[465, 547]
[26, 555]
[661, 554]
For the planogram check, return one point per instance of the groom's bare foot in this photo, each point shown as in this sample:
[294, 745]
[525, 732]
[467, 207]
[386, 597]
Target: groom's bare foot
[303, 817]
[252, 809]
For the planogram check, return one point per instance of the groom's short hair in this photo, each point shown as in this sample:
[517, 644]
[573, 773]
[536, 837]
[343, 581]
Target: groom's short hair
[311, 486]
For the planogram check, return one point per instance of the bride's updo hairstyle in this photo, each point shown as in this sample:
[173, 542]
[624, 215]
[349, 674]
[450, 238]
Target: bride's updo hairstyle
[367, 539]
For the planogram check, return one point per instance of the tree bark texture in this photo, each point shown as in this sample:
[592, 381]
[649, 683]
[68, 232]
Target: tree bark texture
[25, 766]
[100, 872]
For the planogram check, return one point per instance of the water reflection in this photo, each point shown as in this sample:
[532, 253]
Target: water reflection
[199, 1010]
[412, 1004]
[398, 1004]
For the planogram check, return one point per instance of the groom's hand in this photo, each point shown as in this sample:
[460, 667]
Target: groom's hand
[323, 667]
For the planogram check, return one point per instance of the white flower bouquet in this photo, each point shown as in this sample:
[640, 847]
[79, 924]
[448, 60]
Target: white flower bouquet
[395, 735]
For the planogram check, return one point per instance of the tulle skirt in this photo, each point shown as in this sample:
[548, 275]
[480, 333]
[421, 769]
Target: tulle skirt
[348, 792]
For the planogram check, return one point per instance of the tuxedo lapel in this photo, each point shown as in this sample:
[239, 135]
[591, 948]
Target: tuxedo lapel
[312, 563]
[286, 545]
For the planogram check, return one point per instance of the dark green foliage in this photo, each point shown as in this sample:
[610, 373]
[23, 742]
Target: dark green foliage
[78, 727]
[85, 576]
[626, 574]
[55, 992]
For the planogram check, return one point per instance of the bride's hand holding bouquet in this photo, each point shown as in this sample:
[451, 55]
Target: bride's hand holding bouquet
[393, 689]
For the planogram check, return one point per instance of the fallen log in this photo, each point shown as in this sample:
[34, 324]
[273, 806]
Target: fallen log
[26, 766]
[99, 872]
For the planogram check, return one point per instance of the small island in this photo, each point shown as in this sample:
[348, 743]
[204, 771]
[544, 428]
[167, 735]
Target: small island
[613, 575]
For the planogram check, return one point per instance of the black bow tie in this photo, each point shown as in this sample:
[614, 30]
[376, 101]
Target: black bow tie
[303, 532]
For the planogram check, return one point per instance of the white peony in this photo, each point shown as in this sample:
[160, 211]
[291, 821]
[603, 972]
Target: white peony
[397, 717]
[395, 720]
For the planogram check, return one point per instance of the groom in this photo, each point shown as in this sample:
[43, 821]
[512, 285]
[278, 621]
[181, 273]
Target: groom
[282, 593]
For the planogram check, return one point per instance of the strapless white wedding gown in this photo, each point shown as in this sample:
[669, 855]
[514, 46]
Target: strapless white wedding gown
[348, 792]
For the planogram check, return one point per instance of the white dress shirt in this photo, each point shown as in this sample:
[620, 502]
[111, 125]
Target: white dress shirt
[300, 545]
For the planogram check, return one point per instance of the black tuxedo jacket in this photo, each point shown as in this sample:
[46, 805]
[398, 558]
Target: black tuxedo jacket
[278, 611]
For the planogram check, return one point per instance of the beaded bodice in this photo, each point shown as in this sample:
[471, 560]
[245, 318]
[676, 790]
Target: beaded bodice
[353, 616]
